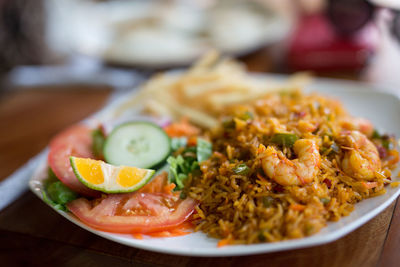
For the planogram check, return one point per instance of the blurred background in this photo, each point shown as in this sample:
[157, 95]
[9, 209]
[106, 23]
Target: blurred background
[117, 42]
[60, 60]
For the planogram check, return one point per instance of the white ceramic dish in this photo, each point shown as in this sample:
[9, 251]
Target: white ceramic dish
[360, 99]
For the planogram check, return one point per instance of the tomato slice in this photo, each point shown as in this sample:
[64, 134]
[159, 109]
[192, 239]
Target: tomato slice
[74, 141]
[133, 212]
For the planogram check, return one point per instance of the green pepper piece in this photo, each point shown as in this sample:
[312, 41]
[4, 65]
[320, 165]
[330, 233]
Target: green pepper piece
[229, 124]
[247, 116]
[325, 200]
[268, 201]
[386, 143]
[376, 134]
[335, 148]
[241, 169]
[261, 236]
[284, 139]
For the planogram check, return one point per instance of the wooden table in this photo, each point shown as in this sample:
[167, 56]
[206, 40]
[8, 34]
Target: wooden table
[31, 234]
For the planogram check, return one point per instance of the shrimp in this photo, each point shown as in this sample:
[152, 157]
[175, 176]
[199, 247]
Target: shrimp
[299, 171]
[362, 160]
[359, 124]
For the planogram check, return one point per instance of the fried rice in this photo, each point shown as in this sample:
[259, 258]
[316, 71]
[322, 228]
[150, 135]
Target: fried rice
[240, 203]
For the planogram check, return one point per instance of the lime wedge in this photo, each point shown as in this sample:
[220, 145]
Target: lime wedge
[98, 175]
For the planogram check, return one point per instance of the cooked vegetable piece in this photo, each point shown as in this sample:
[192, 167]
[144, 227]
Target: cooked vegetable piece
[284, 139]
[325, 200]
[268, 201]
[335, 148]
[261, 236]
[386, 142]
[384, 138]
[376, 134]
[247, 116]
[241, 169]
[229, 124]
[138, 144]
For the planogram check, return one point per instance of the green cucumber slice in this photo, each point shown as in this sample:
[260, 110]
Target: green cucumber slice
[139, 144]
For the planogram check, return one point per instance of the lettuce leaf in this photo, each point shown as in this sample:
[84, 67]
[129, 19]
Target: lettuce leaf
[56, 193]
[98, 140]
[178, 142]
[188, 162]
[204, 150]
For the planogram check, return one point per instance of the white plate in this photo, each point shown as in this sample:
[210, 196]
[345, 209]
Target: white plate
[360, 99]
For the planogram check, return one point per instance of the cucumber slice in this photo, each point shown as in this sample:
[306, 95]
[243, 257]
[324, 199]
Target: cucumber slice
[139, 144]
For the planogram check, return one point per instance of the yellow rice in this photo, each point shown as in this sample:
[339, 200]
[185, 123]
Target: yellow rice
[252, 208]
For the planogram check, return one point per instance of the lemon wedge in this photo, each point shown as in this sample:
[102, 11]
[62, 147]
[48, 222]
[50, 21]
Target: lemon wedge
[101, 176]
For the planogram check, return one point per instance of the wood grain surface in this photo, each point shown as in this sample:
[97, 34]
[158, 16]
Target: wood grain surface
[31, 117]
[31, 234]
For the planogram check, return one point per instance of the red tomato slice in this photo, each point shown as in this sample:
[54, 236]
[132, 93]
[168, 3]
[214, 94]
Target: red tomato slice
[74, 141]
[133, 212]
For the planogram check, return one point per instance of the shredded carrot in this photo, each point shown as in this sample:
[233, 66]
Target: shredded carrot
[223, 242]
[188, 225]
[297, 207]
[137, 236]
[160, 234]
[369, 185]
[178, 232]
[192, 141]
[182, 128]
[169, 188]
[182, 229]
